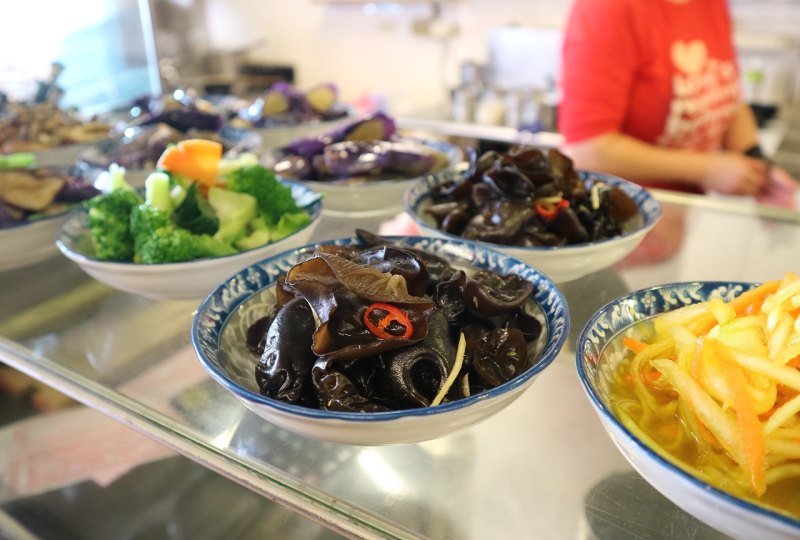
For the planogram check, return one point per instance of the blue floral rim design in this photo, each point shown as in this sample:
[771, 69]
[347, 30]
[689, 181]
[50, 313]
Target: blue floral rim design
[215, 311]
[621, 313]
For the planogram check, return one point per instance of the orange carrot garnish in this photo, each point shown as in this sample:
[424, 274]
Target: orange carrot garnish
[753, 298]
[749, 424]
[634, 344]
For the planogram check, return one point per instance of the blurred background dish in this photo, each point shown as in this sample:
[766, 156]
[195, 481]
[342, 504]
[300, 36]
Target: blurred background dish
[600, 354]
[278, 115]
[54, 135]
[33, 128]
[363, 167]
[219, 337]
[33, 203]
[364, 197]
[283, 104]
[189, 279]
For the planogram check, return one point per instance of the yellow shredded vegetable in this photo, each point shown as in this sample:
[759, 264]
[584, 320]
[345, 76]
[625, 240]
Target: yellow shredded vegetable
[460, 350]
[716, 386]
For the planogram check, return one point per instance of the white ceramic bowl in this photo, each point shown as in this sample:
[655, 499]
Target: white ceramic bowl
[29, 243]
[223, 317]
[191, 279]
[596, 350]
[561, 264]
[376, 198]
[32, 241]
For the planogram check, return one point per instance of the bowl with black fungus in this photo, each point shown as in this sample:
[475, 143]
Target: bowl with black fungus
[372, 340]
[534, 205]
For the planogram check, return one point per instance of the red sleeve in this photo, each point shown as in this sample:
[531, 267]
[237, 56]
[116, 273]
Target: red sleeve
[599, 61]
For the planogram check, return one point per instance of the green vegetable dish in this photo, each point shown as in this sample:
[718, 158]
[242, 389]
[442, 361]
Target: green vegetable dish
[177, 219]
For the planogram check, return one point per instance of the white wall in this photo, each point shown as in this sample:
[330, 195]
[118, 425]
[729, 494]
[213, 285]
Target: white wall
[374, 50]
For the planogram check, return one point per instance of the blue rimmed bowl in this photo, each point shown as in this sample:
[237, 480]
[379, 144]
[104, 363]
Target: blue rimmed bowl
[599, 351]
[218, 337]
[563, 263]
[181, 280]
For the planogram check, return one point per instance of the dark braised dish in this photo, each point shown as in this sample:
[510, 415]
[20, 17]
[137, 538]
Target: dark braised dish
[526, 197]
[381, 327]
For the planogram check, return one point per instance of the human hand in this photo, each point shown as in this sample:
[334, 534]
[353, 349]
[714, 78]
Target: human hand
[732, 173]
[780, 190]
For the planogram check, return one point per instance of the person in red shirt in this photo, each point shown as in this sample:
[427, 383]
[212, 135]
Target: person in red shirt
[650, 92]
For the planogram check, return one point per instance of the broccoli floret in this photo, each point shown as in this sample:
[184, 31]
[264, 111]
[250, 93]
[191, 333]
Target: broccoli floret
[273, 198]
[146, 220]
[108, 220]
[168, 245]
[234, 211]
[173, 244]
[158, 240]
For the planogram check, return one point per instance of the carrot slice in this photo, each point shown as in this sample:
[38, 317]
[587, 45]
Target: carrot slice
[634, 344]
[749, 425]
[753, 298]
[197, 159]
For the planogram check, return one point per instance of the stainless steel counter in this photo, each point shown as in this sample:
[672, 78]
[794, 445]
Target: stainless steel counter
[542, 468]
[771, 136]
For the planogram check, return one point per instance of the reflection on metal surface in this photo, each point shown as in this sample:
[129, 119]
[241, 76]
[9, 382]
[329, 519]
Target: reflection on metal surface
[380, 471]
[727, 204]
[58, 308]
[170, 498]
[213, 411]
[587, 295]
[620, 507]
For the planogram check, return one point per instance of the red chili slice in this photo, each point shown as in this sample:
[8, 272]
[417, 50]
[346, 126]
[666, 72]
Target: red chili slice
[380, 326]
[549, 210]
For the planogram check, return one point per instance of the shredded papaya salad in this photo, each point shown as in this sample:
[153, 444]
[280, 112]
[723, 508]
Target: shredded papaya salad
[717, 386]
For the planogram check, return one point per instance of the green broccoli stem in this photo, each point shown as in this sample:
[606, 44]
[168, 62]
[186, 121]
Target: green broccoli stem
[157, 191]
